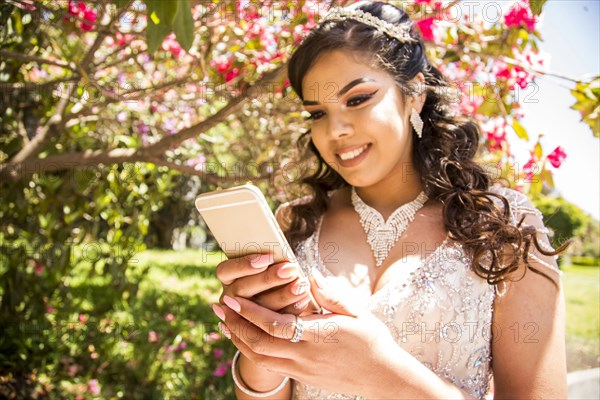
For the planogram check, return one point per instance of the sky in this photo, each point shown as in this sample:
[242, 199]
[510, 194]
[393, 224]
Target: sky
[571, 36]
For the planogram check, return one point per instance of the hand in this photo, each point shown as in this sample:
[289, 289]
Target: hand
[278, 287]
[345, 346]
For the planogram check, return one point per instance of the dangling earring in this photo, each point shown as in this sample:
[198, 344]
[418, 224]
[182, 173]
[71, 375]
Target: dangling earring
[417, 123]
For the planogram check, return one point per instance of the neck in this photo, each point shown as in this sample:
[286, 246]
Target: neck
[389, 194]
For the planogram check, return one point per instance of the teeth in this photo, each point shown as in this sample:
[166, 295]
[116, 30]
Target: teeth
[352, 154]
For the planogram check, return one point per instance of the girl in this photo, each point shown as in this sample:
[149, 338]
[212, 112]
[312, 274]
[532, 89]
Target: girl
[434, 281]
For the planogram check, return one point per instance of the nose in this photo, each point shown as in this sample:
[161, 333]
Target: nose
[339, 127]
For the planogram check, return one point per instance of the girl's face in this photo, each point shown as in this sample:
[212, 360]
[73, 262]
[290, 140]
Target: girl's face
[360, 124]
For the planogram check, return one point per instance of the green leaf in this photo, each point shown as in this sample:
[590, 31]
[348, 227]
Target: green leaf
[161, 14]
[121, 3]
[587, 95]
[536, 6]
[183, 25]
[520, 130]
[489, 108]
[163, 10]
[547, 177]
[539, 152]
[155, 34]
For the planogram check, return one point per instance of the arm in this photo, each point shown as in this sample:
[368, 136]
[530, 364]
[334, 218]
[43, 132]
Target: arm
[529, 359]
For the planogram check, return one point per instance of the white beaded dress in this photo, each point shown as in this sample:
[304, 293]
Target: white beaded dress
[439, 311]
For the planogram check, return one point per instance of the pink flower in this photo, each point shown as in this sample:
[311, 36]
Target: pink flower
[218, 353]
[181, 346]
[89, 15]
[83, 318]
[222, 63]
[197, 162]
[520, 15]
[169, 317]
[557, 157]
[427, 28]
[419, 2]
[172, 45]
[73, 9]
[152, 336]
[93, 387]
[50, 310]
[175, 48]
[39, 268]
[531, 169]
[232, 74]
[221, 370]
[514, 75]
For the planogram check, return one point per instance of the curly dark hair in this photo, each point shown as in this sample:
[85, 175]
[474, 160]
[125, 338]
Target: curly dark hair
[444, 156]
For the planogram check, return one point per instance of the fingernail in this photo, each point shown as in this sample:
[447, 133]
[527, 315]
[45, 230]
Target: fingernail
[224, 330]
[261, 261]
[300, 287]
[232, 303]
[219, 311]
[287, 271]
[319, 278]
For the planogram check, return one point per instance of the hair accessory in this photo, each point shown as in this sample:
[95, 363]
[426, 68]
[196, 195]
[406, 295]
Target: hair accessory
[399, 32]
[417, 123]
[298, 331]
[382, 235]
[243, 388]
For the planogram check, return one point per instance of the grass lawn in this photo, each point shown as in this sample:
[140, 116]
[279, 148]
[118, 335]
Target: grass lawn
[582, 295]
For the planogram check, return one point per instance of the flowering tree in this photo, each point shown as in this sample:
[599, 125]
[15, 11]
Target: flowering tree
[115, 113]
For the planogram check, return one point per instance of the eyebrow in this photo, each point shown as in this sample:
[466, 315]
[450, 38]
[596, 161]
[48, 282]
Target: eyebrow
[342, 92]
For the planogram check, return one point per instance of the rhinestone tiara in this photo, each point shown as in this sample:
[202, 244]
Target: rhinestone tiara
[401, 33]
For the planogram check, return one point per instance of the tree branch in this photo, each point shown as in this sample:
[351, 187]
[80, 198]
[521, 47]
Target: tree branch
[170, 141]
[22, 166]
[39, 60]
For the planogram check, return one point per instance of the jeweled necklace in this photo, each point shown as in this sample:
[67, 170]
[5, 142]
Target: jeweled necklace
[382, 235]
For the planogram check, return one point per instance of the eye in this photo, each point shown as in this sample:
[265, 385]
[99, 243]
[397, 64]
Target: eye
[315, 115]
[357, 100]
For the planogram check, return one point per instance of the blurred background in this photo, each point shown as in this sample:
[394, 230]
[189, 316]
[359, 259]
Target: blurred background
[114, 115]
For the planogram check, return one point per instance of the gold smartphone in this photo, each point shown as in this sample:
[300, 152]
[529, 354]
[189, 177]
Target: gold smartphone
[242, 223]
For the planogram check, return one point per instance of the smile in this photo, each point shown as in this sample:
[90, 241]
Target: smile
[353, 153]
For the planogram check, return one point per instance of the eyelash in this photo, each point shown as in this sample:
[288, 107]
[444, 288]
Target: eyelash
[353, 102]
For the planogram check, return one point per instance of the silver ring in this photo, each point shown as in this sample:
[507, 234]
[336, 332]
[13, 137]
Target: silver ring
[298, 331]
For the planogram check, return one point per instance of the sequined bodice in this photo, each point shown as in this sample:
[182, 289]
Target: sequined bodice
[438, 310]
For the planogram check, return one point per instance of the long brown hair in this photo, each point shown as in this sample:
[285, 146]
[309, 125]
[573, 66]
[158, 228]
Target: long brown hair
[444, 156]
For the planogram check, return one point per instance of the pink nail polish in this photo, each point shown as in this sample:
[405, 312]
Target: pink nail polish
[224, 330]
[219, 311]
[261, 261]
[232, 303]
[287, 271]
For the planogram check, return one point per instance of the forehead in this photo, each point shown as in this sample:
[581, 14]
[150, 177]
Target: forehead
[339, 68]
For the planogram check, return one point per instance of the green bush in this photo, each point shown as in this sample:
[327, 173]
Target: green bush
[568, 221]
[585, 261]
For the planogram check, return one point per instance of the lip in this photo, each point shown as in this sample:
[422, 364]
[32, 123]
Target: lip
[353, 161]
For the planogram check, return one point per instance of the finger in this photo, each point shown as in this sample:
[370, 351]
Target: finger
[283, 366]
[334, 298]
[301, 307]
[273, 277]
[257, 339]
[282, 326]
[235, 268]
[293, 295]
